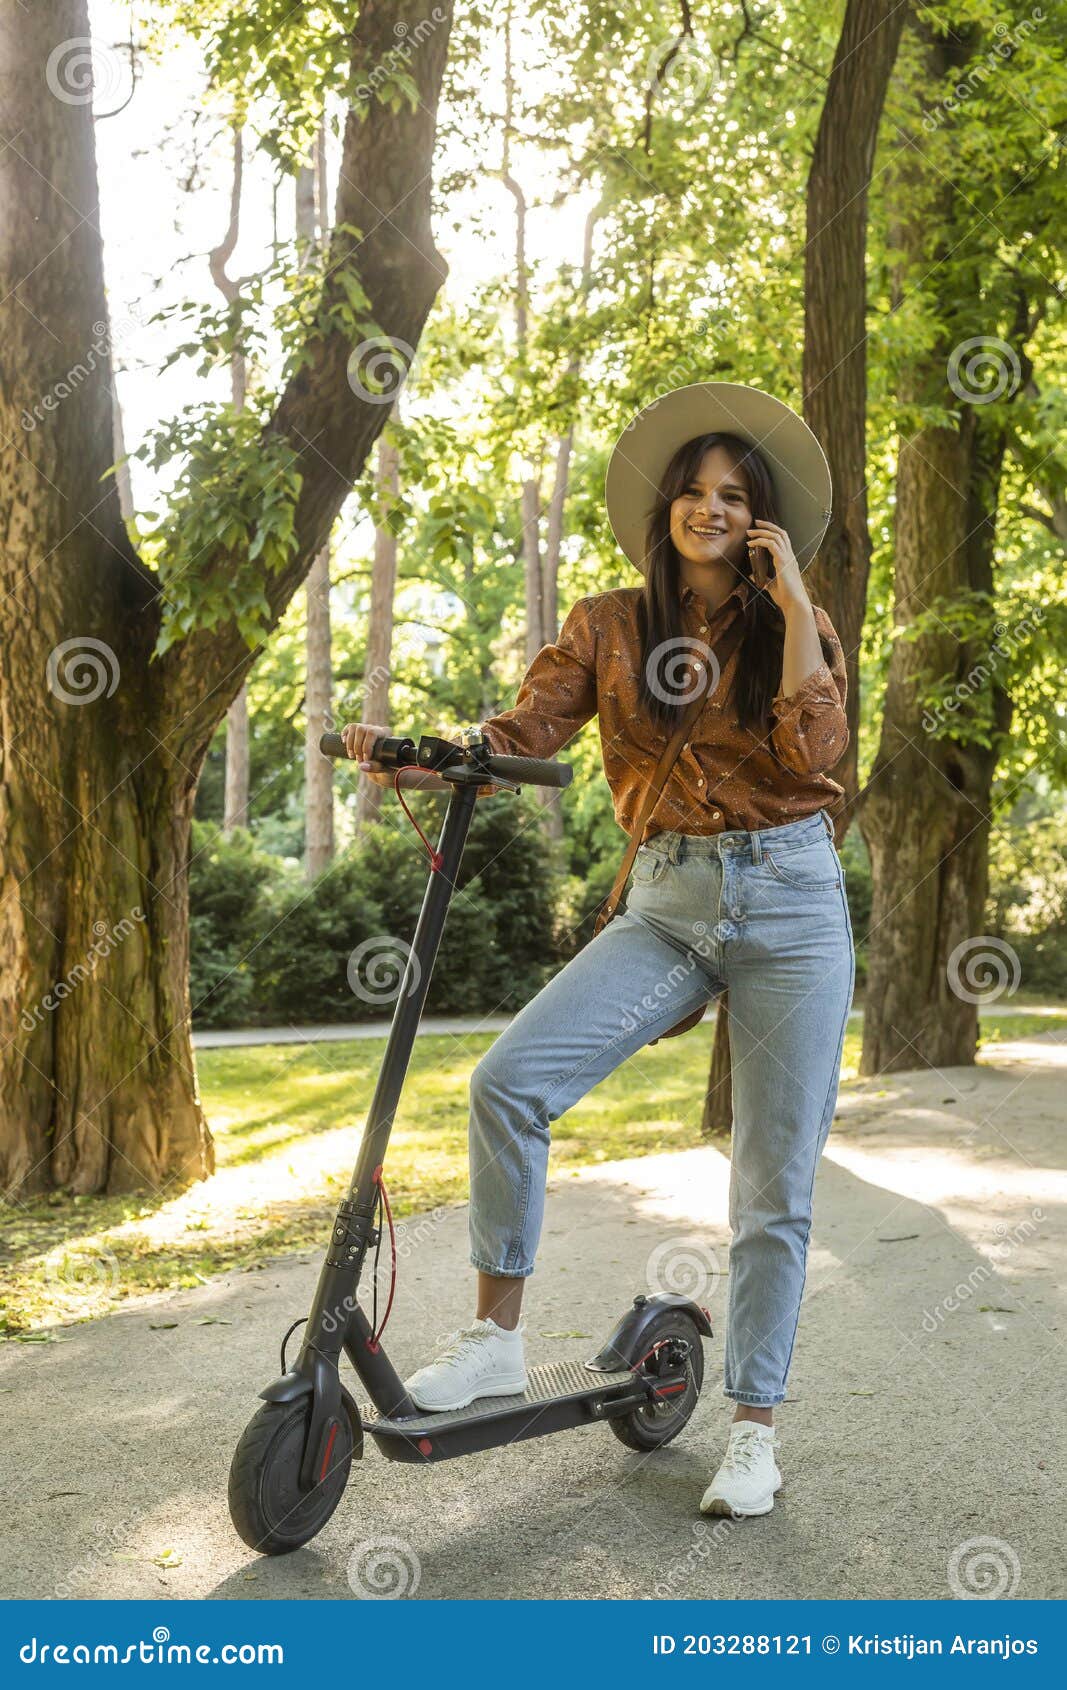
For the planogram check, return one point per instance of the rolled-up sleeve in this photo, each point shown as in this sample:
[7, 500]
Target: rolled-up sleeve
[810, 732]
[557, 696]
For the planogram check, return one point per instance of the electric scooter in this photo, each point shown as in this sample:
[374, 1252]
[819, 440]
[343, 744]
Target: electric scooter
[292, 1462]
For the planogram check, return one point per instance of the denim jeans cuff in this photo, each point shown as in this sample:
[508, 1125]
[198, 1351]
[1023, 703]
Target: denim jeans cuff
[750, 1399]
[500, 1273]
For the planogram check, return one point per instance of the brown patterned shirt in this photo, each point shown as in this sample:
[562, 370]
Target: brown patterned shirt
[725, 776]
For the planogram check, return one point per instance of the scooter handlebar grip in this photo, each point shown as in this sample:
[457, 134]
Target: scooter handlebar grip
[531, 771]
[332, 745]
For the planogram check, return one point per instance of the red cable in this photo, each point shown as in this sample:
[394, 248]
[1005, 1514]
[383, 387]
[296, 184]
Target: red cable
[375, 1337]
[436, 857]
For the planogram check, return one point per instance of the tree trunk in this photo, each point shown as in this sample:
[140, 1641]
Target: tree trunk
[926, 812]
[374, 698]
[318, 660]
[235, 800]
[835, 329]
[101, 748]
[237, 779]
[835, 375]
[318, 698]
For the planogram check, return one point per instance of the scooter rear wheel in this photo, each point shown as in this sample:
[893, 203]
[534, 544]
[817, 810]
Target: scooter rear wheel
[655, 1424]
[268, 1509]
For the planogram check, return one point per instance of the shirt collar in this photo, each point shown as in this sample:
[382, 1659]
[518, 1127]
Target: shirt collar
[742, 592]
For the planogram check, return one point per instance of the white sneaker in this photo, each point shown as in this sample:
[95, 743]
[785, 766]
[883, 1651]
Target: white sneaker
[748, 1478]
[483, 1360]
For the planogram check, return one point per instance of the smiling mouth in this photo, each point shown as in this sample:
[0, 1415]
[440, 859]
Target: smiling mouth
[706, 533]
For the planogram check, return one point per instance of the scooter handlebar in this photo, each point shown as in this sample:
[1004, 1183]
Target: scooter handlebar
[524, 771]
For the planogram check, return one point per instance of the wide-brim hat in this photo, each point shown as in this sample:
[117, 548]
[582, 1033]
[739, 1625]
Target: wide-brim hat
[797, 463]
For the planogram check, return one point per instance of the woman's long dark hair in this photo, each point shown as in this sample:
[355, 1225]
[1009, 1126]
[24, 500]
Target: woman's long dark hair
[663, 633]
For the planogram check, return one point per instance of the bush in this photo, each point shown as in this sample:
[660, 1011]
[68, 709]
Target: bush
[228, 878]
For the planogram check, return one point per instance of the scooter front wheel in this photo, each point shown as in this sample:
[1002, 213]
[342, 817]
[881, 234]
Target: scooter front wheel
[269, 1510]
[673, 1339]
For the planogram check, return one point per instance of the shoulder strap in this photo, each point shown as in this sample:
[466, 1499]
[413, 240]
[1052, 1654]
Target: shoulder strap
[721, 654]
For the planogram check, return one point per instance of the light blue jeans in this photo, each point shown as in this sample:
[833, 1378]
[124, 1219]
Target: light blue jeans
[763, 915]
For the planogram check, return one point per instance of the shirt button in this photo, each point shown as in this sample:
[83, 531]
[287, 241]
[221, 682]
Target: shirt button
[700, 782]
[714, 815]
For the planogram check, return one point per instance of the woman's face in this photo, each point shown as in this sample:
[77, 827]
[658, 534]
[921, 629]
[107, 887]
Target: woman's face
[711, 516]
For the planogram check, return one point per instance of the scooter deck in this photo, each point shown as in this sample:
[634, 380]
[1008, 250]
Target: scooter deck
[558, 1395]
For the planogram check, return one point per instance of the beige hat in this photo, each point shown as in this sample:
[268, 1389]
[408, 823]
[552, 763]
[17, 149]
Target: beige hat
[646, 445]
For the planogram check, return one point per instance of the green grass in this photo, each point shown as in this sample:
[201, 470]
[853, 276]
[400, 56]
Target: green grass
[287, 1120]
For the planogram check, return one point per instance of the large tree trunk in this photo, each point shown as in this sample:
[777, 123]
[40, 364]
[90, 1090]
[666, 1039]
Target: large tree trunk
[835, 376]
[835, 328]
[925, 814]
[99, 758]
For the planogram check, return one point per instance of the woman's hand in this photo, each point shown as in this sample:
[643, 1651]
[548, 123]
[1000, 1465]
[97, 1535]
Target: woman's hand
[785, 586]
[359, 741]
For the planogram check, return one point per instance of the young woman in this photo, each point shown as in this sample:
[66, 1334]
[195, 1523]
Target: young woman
[738, 885]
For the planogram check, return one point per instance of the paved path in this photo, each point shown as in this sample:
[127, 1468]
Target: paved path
[925, 1406]
[214, 1038]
